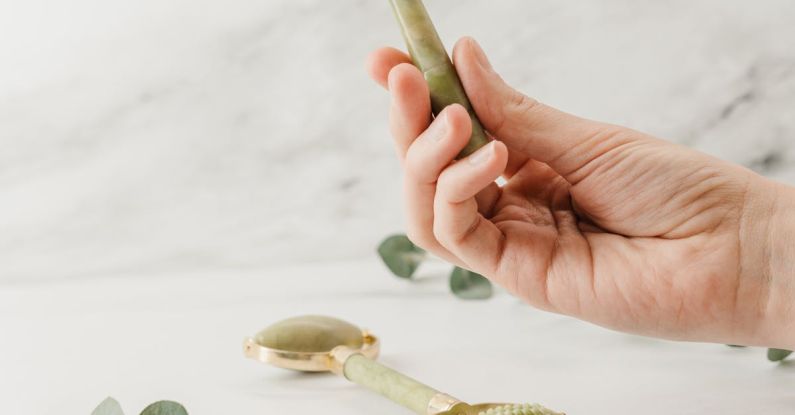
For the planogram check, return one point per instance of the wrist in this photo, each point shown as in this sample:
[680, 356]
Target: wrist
[780, 254]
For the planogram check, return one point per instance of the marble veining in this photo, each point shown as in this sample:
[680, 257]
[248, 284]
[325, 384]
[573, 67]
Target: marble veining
[149, 136]
[175, 175]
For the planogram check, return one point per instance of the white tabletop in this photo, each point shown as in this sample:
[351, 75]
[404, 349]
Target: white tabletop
[66, 345]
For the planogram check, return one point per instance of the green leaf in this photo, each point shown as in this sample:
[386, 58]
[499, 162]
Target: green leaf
[400, 255]
[735, 345]
[109, 406]
[164, 408]
[469, 285]
[777, 355]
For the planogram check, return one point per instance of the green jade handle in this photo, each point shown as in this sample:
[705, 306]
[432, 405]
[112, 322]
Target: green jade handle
[429, 55]
[397, 387]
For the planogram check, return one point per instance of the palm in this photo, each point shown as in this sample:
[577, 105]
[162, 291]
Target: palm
[608, 225]
[622, 266]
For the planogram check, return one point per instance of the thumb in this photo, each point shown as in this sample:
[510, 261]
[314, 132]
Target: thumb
[565, 142]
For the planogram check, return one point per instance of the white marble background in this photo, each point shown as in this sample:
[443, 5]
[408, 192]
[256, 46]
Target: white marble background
[154, 136]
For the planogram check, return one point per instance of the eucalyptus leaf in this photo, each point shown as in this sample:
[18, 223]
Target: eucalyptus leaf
[469, 285]
[109, 406]
[164, 408]
[736, 345]
[777, 355]
[400, 255]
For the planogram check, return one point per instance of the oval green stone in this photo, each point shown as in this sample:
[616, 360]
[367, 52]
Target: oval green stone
[310, 334]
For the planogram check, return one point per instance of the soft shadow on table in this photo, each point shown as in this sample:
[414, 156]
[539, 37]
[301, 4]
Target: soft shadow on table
[289, 376]
[787, 365]
[298, 384]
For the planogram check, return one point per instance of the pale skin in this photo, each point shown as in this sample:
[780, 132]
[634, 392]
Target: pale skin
[594, 220]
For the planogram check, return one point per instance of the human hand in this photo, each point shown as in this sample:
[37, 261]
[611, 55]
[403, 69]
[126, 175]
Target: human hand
[594, 220]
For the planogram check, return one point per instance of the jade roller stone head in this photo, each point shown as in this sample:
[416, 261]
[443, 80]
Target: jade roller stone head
[310, 334]
[429, 55]
[319, 343]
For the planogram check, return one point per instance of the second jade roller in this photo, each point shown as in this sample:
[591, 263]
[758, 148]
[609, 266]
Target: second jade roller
[429, 55]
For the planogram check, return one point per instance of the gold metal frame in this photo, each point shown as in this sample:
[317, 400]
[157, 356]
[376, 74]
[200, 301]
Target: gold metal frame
[308, 361]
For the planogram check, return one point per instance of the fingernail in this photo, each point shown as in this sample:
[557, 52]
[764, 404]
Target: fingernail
[438, 128]
[483, 154]
[483, 60]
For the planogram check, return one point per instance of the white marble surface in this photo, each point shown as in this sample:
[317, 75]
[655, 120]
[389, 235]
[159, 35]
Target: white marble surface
[146, 337]
[174, 175]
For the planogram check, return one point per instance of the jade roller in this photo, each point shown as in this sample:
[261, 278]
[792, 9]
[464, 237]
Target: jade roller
[428, 54]
[319, 344]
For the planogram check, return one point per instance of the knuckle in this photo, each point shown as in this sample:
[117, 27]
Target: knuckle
[449, 187]
[417, 170]
[522, 105]
[440, 234]
[470, 230]
[398, 72]
[599, 148]
[444, 234]
[443, 185]
[423, 239]
[516, 106]
[418, 237]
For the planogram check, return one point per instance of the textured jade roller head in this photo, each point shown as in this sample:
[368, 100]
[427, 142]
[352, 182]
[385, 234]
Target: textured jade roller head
[517, 409]
[319, 343]
[500, 409]
[429, 55]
